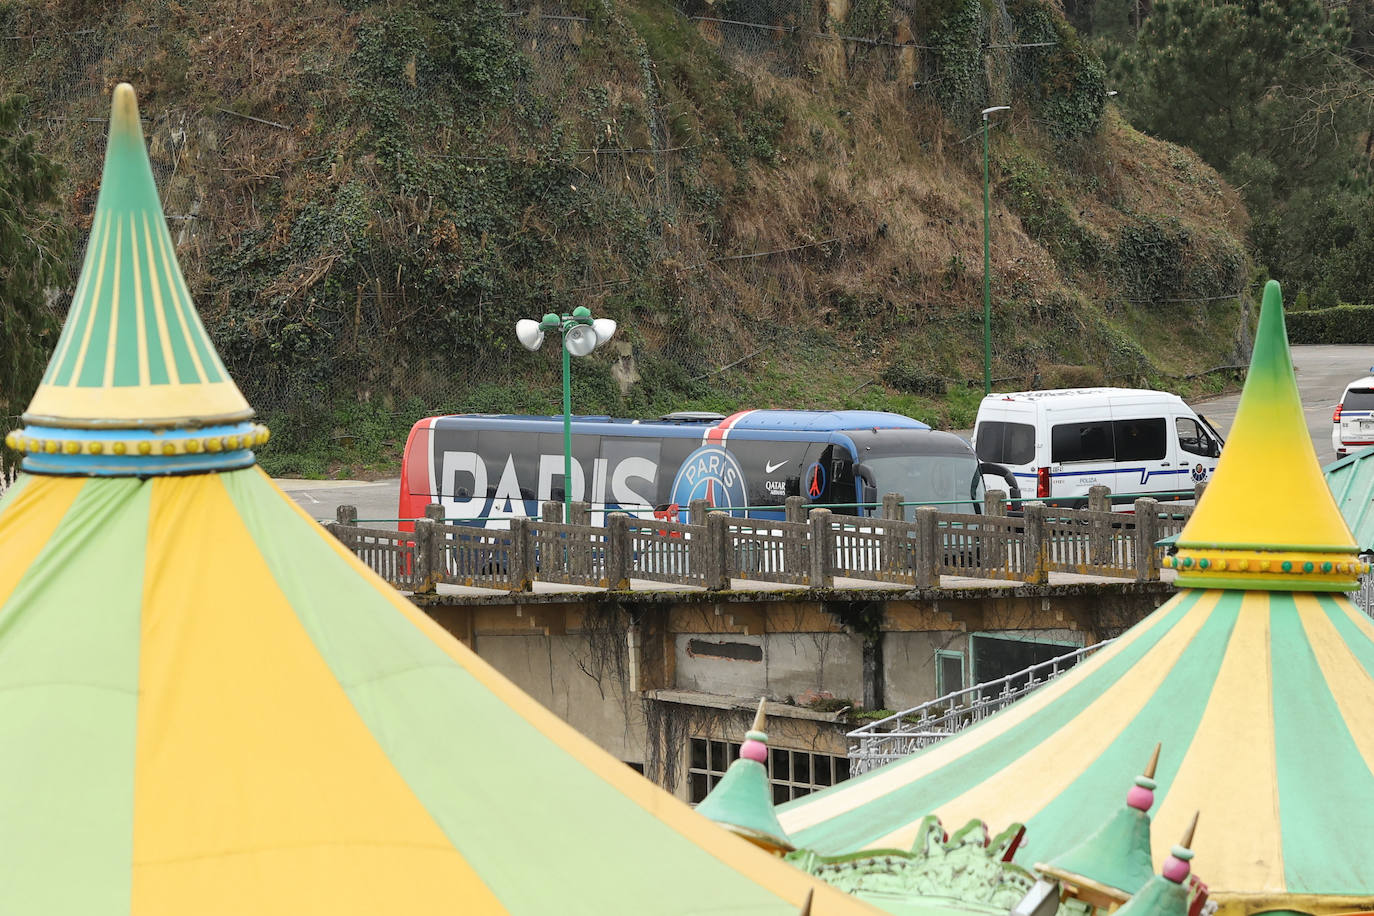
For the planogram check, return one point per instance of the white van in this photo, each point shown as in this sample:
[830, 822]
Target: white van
[1059, 443]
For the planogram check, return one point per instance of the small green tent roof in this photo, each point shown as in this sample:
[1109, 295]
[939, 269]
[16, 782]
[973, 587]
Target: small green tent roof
[1352, 484]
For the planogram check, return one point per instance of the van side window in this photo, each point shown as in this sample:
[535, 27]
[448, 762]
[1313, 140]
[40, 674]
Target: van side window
[1005, 443]
[1192, 439]
[1082, 442]
[1141, 440]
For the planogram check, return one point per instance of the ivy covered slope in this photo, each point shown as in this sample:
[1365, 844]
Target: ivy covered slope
[372, 193]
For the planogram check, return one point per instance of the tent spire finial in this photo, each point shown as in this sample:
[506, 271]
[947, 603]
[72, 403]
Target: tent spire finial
[134, 386]
[1236, 540]
[742, 801]
[1114, 862]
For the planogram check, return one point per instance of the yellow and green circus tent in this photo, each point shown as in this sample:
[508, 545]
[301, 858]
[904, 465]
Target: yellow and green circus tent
[1257, 678]
[207, 705]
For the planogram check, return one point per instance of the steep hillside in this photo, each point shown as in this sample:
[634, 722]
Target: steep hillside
[779, 200]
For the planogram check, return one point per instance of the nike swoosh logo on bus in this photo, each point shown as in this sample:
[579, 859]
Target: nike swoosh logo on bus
[769, 467]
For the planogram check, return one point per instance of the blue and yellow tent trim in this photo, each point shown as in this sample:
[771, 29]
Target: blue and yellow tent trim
[1259, 696]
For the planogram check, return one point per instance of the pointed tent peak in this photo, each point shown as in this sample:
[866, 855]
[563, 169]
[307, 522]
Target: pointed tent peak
[1176, 867]
[1187, 841]
[1170, 893]
[1142, 795]
[1114, 862]
[134, 385]
[1268, 520]
[742, 801]
[761, 717]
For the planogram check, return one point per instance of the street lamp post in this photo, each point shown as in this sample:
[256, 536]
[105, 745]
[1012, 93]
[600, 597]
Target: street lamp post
[580, 333]
[987, 260]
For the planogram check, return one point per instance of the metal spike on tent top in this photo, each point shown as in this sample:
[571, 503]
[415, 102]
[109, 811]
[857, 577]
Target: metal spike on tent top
[760, 717]
[1187, 842]
[1176, 867]
[806, 904]
[1154, 762]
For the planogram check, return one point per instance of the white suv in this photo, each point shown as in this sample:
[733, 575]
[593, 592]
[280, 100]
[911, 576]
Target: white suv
[1352, 425]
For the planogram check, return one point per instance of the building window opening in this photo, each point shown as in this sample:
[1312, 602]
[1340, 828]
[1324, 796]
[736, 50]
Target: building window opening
[792, 774]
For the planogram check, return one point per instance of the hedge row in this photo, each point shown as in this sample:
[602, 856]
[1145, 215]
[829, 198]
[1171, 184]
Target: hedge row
[1342, 324]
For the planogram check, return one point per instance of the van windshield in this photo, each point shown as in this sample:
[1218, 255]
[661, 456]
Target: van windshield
[928, 478]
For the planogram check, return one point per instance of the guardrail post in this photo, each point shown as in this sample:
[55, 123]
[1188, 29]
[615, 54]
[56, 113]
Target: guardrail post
[551, 510]
[520, 561]
[795, 509]
[1100, 498]
[579, 513]
[618, 551]
[1099, 527]
[347, 515]
[993, 549]
[927, 547]
[1036, 546]
[696, 512]
[892, 506]
[821, 551]
[1198, 488]
[438, 569]
[715, 563]
[1146, 533]
[423, 555]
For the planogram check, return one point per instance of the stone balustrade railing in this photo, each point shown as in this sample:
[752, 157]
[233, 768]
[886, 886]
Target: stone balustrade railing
[804, 548]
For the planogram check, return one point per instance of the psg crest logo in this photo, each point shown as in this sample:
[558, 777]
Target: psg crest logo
[710, 473]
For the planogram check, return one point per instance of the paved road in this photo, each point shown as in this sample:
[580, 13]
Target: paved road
[1322, 371]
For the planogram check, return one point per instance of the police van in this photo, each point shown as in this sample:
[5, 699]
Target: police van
[1059, 443]
[1352, 425]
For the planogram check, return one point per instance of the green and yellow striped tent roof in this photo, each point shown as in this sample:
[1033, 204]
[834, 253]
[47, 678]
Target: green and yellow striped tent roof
[1261, 698]
[208, 705]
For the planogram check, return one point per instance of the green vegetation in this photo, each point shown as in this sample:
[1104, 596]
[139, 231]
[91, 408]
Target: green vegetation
[369, 194]
[34, 247]
[1279, 97]
[1342, 324]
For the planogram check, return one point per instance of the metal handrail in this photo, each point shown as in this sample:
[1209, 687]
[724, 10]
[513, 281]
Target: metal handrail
[917, 727]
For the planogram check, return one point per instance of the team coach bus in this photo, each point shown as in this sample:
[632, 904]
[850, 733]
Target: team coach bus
[484, 468]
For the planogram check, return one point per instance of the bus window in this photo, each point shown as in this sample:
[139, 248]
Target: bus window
[945, 480]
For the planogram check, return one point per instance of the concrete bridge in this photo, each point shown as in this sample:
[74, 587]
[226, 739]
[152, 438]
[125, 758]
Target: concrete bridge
[656, 638]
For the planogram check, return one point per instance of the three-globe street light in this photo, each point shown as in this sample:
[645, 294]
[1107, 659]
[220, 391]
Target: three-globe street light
[581, 334]
[987, 260]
